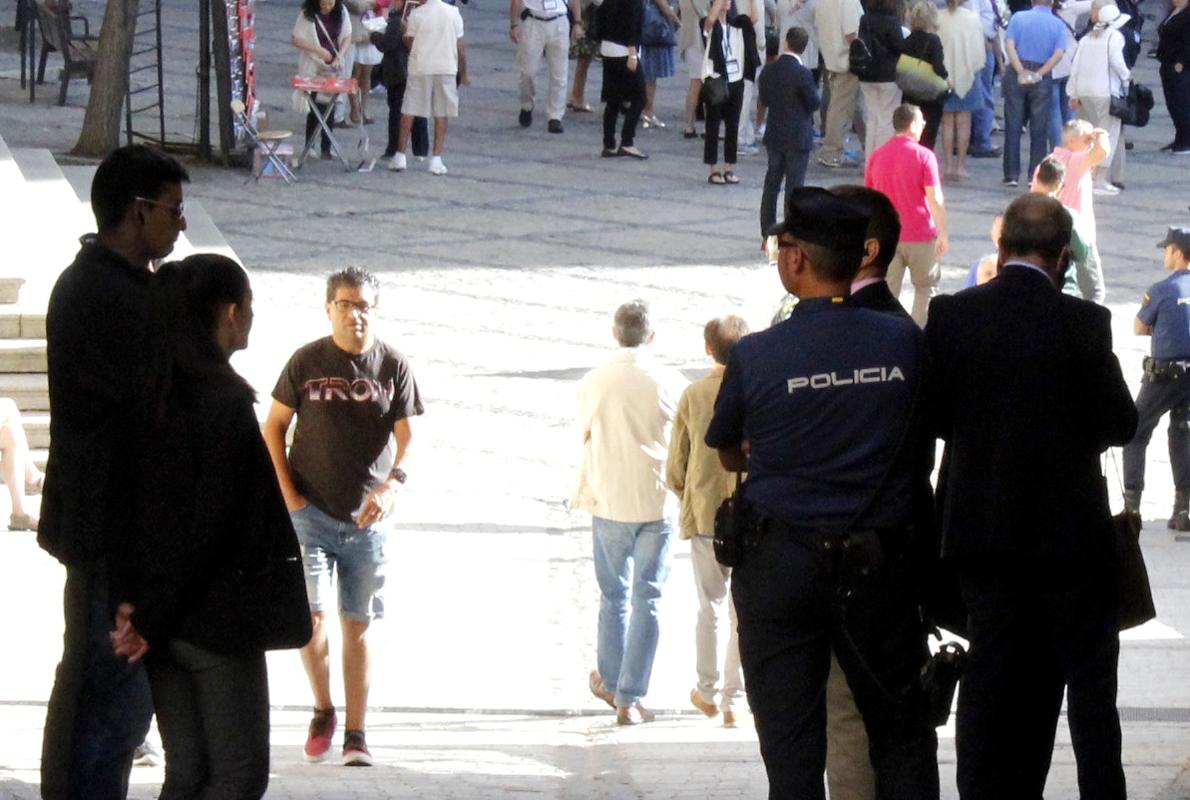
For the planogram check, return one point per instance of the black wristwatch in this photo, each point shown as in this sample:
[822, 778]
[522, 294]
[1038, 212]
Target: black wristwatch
[397, 475]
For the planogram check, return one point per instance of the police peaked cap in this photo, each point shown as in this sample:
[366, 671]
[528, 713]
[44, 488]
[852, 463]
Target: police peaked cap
[815, 215]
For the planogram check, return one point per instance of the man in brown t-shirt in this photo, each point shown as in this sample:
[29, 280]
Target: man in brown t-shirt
[353, 396]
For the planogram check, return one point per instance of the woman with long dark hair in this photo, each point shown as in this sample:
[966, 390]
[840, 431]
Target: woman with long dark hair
[322, 34]
[213, 564]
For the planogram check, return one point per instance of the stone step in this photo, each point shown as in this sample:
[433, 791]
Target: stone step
[22, 355]
[18, 322]
[10, 290]
[37, 429]
[30, 391]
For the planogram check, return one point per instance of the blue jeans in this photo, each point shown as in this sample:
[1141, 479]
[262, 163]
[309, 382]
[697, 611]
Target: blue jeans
[329, 544]
[627, 646]
[1060, 113]
[984, 118]
[100, 707]
[1038, 99]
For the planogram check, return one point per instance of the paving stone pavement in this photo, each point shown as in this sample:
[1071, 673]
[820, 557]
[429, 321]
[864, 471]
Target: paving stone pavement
[499, 281]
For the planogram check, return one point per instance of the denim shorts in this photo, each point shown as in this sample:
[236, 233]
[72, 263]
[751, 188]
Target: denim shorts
[358, 554]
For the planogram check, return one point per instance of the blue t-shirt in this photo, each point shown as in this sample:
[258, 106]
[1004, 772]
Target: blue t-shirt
[1166, 308]
[1037, 33]
[824, 399]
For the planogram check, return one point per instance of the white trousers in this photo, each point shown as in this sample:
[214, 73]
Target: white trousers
[551, 39]
[711, 579]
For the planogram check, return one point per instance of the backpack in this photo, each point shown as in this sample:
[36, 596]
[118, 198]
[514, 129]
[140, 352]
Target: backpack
[863, 52]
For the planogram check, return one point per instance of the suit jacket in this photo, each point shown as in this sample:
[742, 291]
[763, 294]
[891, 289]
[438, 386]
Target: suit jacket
[1027, 394]
[788, 92]
[878, 297]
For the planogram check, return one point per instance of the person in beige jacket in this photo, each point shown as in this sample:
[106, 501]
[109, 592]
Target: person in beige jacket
[694, 473]
[626, 409]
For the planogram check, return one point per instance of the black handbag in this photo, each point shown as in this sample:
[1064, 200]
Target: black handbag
[941, 679]
[730, 523]
[1133, 589]
[714, 85]
[1134, 107]
[1134, 593]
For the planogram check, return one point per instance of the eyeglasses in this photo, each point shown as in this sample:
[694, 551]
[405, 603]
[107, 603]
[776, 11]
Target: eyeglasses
[347, 306]
[177, 211]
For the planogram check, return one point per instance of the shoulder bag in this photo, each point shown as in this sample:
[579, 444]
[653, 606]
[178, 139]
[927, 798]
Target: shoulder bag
[714, 85]
[656, 31]
[918, 81]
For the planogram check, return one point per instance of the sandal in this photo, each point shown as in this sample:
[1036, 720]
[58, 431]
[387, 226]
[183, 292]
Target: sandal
[581, 109]
[729, 177]
[717, 178]
[690, 134]
[35, 486]
[22, 522]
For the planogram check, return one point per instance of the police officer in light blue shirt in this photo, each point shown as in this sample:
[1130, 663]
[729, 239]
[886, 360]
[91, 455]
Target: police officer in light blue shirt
[1165, 316]
[823, 404]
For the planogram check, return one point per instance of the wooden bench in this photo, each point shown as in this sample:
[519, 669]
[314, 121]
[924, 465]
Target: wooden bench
[58, 33]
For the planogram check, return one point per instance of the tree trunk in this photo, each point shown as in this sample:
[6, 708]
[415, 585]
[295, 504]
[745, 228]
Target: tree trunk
[101, 125]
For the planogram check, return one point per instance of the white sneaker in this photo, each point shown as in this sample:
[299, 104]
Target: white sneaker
[436, 166]
[1106, 191]
[397, 162]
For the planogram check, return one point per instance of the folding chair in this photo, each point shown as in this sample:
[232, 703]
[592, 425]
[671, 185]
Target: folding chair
[266, 141]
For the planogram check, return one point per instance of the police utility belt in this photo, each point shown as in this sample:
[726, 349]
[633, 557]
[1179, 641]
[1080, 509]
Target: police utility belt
[1160, 370]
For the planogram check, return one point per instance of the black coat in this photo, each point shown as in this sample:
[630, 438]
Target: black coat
[394, 67]
[928, 47]
[620, 21]
[214, 558]
[883, 33]
[1173, 39]
[1027, 394]
[787, 90]
[878, 297]
[751, 62]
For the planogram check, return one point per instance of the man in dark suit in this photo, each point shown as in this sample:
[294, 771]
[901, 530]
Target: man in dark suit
[1027, 394]
[870, 289]
[787, 90]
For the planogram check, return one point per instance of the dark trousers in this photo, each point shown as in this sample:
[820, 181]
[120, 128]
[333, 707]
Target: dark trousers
[790, 616]
[100, 707]
[1036, 629]
[623, 91]
[932, 112]
[1156, 398]
[729, 115]
[312, 125]
[420, 134]
[1034, 102]
[1176, 87]
[788, 166]
[213, 714]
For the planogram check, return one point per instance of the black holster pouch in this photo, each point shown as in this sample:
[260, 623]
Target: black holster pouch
[860, 555]
[941, 678]
[732, 522]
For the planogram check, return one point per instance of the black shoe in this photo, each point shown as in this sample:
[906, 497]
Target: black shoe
[1119, 186]
[690, 134]
[554, 126]
[991, 152]
[1128, 145]
[610, 153]
[525, 118]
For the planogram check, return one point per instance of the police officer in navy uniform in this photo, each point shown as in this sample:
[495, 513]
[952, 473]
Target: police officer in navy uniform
[824, 403]
[1165, 387]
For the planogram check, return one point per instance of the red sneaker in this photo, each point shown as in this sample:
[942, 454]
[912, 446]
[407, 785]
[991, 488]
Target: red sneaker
[322, 731]
[355, 750]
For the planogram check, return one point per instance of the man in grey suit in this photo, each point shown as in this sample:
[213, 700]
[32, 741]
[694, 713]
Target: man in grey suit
[787, 90]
